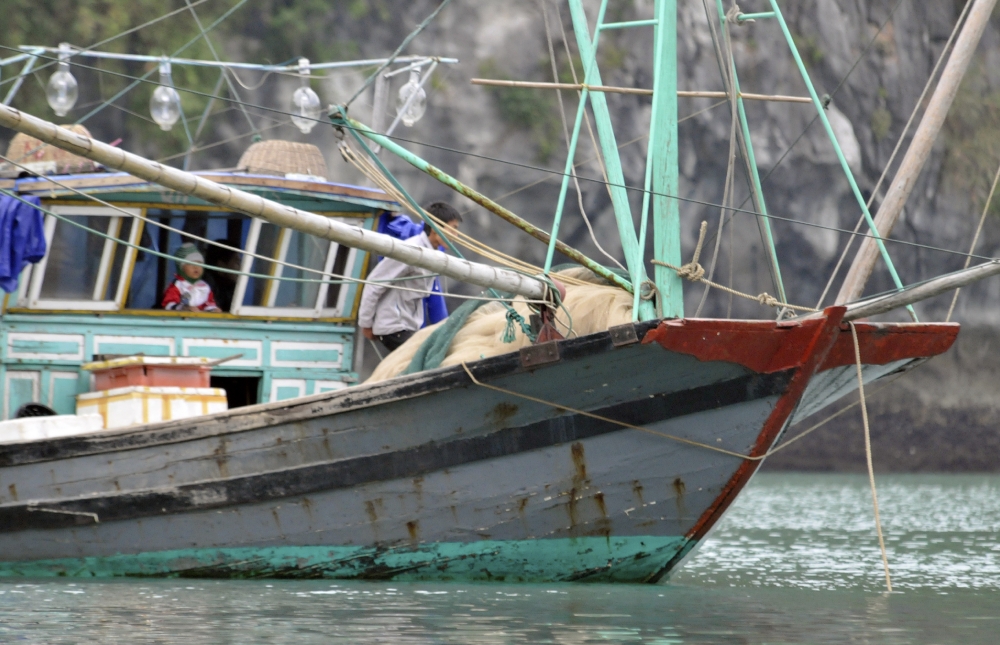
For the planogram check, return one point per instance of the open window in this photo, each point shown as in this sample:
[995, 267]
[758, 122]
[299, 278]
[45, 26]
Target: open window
[275, 289]
[89, 268]
[86, 267]
[153, 272]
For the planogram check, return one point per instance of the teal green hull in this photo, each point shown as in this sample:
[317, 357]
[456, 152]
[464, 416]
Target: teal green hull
[628, 559]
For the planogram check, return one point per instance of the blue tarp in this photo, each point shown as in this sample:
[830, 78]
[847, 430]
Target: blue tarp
[22, 238]
[402, 227]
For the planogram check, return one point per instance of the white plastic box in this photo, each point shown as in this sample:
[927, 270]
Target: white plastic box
[134, 405]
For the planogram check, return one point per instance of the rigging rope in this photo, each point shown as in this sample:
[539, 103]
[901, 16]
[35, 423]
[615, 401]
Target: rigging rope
[560, 173]
[975, 238]
[366, 167]
[556, 172]
[565, 126]
[727, 192]
[595, 158]
[696, 273]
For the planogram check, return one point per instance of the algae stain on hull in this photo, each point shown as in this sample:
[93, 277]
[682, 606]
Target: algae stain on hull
[594, 559]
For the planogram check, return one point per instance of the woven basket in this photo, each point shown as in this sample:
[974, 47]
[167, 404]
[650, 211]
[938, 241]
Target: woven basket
[278, 157]
[40, 157]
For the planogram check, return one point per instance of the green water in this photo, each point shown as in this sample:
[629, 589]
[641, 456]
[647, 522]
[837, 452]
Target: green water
[795, 561]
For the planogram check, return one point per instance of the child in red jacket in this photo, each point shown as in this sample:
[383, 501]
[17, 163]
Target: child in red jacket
[188, 291]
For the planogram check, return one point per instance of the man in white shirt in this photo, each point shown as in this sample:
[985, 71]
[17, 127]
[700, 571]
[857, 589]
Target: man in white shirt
[391, 315]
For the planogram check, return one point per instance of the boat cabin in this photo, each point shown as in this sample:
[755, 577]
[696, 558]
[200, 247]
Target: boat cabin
[286, 332]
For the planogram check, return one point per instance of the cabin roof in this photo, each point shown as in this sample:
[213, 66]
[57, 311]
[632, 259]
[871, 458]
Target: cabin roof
[310, 195]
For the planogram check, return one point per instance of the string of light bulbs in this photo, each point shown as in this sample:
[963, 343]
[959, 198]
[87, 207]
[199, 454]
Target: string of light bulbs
[62, 89]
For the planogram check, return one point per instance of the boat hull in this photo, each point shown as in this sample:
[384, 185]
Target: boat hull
[432, 476]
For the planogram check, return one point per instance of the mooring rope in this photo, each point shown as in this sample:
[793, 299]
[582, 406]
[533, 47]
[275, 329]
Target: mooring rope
[696, 273]
[868, 454]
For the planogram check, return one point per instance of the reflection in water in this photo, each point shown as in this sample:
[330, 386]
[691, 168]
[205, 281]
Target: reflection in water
[795, 561]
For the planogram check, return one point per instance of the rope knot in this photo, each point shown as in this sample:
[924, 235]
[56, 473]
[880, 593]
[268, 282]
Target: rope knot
[691, 271]
[733, 16]
[767, 299]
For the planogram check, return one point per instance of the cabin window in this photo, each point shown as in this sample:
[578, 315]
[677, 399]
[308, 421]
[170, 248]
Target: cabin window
[299, 290]
[153, 273]
[83, 269]
[88, 267]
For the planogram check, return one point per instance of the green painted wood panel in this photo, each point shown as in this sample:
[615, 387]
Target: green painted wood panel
[63, 393]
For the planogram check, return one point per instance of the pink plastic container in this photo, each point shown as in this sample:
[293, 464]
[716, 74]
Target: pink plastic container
[150, 371]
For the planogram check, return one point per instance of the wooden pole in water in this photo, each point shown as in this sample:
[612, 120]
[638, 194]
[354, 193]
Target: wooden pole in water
[278, 214]
[920, 148]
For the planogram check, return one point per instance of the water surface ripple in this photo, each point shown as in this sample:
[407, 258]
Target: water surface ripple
[794, 561]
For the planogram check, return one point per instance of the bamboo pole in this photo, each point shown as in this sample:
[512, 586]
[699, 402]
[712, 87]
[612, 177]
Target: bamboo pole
[610, 89]
[278, 214]
[920, 148]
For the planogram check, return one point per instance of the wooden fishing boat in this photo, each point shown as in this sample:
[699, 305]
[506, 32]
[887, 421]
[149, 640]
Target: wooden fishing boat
[604, 457]
[433, 476]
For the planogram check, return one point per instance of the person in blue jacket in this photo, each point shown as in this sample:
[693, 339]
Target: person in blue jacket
[402, 227]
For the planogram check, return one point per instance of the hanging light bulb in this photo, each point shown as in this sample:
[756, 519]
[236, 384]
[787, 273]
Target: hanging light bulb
[62, 90]
[165, 104]
[417, 105]
[305, 102]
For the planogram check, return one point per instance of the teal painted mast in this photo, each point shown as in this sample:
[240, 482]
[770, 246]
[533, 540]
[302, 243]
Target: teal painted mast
[661, 164]
[661, 185]
[609, 149]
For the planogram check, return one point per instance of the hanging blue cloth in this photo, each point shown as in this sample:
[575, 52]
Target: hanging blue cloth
[402, 227]
[22, 238]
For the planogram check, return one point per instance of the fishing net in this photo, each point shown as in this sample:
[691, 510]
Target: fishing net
[476, 329]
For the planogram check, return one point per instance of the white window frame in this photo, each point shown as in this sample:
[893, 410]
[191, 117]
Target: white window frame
[33, 299]
[271, 292]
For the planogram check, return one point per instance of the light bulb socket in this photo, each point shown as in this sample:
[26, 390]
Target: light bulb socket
[166, 76]
[65, 53]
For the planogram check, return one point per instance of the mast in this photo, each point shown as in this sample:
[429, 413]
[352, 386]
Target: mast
[661, 164]
[278, 214]
[588, 48]
[916, 155]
